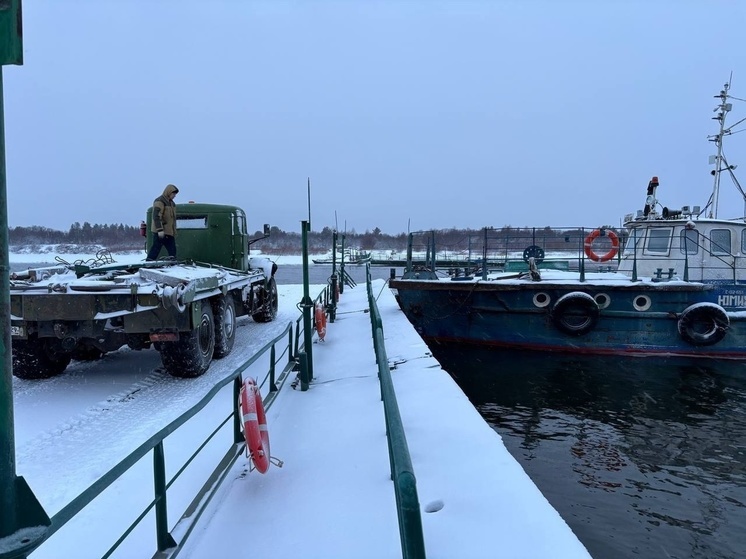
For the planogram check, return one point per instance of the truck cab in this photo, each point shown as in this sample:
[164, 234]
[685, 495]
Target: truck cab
[210, 233]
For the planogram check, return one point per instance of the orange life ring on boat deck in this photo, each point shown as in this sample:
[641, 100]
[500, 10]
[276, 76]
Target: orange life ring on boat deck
[320, 321]
[254, 425]
[588, 245]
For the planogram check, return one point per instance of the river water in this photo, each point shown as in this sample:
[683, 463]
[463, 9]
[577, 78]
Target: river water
[642, 458]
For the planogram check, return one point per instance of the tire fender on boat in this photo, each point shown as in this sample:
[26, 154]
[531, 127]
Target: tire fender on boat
[596, 233]
[254, 425]
[320, 319]
[575, 313]
[703, 324]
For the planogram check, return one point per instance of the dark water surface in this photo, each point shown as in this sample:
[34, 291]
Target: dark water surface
[641, 457]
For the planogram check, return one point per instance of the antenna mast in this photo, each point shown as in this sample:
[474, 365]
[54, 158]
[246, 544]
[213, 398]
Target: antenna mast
[722, 109]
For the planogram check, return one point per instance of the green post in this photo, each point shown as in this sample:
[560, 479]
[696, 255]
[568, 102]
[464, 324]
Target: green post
[23, 522]
[163, 537]
[410, 240]
[307, 303]
[342, 267]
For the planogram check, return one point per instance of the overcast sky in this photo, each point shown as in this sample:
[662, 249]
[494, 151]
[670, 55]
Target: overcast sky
[405, 115]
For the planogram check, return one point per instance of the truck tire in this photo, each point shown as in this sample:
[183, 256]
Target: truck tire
[36, 359]
[268, 310]
[191, 356]
[224, 310]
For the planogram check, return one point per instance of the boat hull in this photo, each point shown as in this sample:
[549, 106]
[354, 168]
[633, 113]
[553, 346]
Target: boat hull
[633, 319]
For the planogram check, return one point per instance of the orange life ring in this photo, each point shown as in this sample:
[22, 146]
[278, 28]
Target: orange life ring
[255, 425]
[588, 245]
[320, 321]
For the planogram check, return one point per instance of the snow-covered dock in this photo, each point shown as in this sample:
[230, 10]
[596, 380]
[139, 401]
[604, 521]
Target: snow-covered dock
[334, 496]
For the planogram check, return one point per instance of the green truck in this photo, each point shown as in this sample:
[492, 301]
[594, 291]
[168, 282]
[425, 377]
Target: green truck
[186, 309]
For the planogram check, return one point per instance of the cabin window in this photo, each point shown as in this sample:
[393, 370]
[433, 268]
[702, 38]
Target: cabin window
[240, 223]
[191, 222]
[720, 241]
[743, 241]
[689, 240]
[659, 240]
[634, 240]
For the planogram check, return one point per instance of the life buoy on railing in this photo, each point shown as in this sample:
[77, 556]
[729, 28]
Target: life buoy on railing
[596, 233]
[575, 313]
[254, 425]
[320, 321]
[703, 324]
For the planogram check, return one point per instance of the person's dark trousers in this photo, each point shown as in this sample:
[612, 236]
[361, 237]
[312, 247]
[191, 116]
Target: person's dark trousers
[168, 241]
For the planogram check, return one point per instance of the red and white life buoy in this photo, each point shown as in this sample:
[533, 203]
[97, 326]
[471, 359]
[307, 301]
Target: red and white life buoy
[255, 425]
[320, 321]
[588, 245]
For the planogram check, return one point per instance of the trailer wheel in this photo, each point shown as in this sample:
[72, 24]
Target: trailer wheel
[268, 309]
[224, 310]
[191, 356]
[36, 359]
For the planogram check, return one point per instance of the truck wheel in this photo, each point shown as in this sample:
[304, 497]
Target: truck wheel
[192, 354]
[268, 310]
[36, 359]
[224, 310]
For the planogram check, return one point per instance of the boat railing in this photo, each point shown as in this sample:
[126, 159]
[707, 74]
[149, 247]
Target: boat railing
[576, 249]
[508, 249]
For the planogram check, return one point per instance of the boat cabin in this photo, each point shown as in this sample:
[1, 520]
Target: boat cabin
[686, 248]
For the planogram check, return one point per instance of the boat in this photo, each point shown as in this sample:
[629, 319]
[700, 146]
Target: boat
[669, 282]
[349, 256]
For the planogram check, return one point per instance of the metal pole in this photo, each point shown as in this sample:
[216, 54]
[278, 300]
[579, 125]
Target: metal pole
[307, 303]
[8, 524]
[18, 505]
[342, 268]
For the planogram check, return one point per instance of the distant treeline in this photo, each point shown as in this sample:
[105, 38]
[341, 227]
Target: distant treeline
[127, 237]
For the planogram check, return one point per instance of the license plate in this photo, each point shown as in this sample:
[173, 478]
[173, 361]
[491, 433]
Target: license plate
[18, 331]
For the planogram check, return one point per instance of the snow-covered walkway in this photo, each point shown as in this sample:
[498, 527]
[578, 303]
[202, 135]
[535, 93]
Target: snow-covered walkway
[334, 496]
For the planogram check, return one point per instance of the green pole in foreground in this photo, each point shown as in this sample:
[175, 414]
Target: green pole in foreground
[307, 303]
[23, 522]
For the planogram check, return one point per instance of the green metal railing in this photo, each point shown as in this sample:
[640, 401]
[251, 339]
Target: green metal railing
[290, 357]
[280, 365]
[166, 545]
[402, 472]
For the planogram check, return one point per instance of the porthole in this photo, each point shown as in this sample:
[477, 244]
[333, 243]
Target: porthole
[542, 299]
[602, 300]
[641, 303]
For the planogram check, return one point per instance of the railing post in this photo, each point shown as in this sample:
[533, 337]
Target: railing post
[409, 253]
[304, 378]
[484, 255]
[237, 433]
[307, 304]
[161, 509]
[272, 385]
[336, 284]
[341, 271]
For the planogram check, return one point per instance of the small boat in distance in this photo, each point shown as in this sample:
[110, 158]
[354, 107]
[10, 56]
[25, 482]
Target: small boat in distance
[350, 256]
[677, 285]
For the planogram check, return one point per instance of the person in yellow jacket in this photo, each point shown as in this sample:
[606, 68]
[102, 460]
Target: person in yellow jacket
[163, 223]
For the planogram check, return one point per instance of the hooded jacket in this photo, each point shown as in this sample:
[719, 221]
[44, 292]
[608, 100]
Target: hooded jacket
[164, 212]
